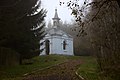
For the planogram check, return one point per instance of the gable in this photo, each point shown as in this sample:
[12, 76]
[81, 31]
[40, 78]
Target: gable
[57, 32]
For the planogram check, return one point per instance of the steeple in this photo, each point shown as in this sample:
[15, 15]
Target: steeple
[56, 19]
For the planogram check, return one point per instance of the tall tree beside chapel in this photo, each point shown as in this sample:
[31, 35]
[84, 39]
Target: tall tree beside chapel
[21, 26]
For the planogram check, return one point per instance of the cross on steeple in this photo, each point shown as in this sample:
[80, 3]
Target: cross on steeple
[56, 19]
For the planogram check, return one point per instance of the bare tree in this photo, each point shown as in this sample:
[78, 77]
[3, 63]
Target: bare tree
[101, 23]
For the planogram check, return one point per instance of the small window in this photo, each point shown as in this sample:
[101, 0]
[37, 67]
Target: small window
[64, 45]
[55, 23]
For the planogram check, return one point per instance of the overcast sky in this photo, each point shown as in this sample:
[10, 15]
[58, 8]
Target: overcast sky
[63, 11]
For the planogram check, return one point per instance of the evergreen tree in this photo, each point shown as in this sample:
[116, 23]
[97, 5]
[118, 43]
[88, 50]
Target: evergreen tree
[21, 26]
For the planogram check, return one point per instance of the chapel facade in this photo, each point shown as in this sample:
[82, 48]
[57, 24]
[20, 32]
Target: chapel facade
[57, 41]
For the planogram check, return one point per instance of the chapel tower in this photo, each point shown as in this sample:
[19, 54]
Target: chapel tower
[56, 19]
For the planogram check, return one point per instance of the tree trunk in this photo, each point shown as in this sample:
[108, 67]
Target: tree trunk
[20, 60]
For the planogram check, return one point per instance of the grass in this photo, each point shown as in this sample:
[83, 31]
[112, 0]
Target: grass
[88, 69]
[40, 62]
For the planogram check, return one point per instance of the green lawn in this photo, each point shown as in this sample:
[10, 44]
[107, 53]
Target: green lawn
[40, 62]
[88, 69]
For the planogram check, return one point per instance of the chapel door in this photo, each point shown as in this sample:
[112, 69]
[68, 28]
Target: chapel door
[47, 46]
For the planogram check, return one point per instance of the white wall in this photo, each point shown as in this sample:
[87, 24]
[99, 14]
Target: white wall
[56, 45]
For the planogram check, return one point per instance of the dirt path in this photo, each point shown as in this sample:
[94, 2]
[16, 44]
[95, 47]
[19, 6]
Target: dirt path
[65, 71]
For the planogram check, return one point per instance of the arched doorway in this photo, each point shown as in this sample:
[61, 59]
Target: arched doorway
[64, 44]
[47, 46]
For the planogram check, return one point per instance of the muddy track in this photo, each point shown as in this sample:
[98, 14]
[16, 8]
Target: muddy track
[65, 71]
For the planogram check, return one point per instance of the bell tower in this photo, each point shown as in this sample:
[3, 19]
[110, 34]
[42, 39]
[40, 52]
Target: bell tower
[56, 19]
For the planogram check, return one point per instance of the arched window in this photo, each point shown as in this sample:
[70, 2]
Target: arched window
[55, 23]
[64, 45]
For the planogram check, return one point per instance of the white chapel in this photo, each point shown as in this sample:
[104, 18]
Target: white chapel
[57, 41]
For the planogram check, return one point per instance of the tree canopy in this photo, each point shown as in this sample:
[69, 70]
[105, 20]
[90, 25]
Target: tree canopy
[101, 23]
[21, 26]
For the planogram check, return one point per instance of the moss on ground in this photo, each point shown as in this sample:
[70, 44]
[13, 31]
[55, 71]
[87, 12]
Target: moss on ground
[88, 69]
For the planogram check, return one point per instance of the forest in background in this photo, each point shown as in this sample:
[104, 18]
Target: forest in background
[101, 24]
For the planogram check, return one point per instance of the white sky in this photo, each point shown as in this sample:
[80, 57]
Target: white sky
[63, 12]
